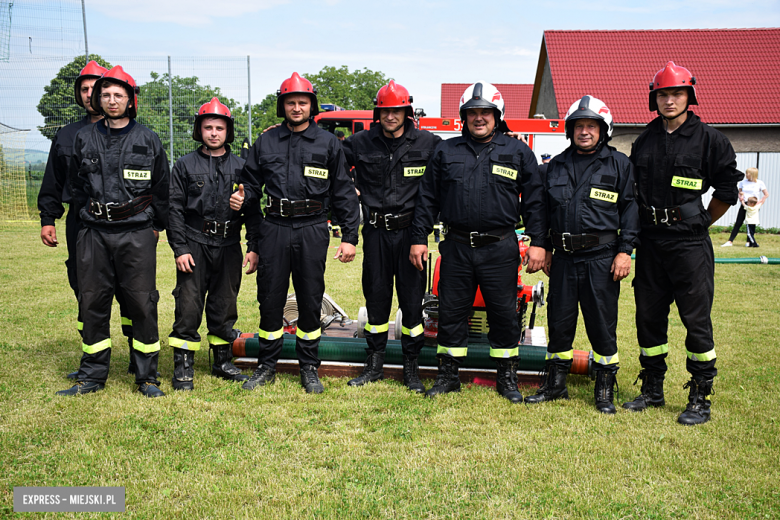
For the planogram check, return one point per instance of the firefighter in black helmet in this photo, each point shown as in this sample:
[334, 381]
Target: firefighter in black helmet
[475, 181]
[302, 170]
[594, 225]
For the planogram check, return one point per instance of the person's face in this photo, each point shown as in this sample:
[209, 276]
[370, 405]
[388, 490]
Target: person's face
[586, 134]
[480, 122]
[114, 100]
[213, 130]
[297, 107]
[392, 119]
[672, 101]
[85, 91]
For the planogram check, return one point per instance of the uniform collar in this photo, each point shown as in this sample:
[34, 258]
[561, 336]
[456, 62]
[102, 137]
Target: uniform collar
[214, 157]
[310, 133]
[686, 129]
[410, 132]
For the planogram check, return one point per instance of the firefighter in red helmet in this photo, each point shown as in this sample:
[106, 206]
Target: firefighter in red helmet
[55, 192]
[118, 175]
[302, 170]
[677, 159]
[475, 181]
[389, 160]
[204, 231]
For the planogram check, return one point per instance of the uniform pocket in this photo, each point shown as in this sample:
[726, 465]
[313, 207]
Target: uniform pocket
[195, 184]
[137, 172]
[370, 169]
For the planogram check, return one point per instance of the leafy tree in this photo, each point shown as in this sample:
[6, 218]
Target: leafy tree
[57, 105]
[350, 90]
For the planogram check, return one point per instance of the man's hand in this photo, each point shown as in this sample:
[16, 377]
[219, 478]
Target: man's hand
[252, 259]
[49, 236]
[418, 255]
[535, 258]
[621, 266]
[518, 136]
[271, 127]
[346, 253]
[156, 235]
[547, 263]
[185, 263]
[237, 198]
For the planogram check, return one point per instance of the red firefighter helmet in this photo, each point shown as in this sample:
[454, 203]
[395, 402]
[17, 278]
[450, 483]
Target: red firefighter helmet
[296, 84]
[92, 70]
[393, 95]
[213, 108]
[672, 76]
[117, 75]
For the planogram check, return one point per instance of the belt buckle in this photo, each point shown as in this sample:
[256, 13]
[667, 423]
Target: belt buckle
[225, 232]
[471, 237]
[563, 241]
[372, 220]
[281, 207]
[108, 209]
[666, 219]
[388, 216]
[92, 205]
[214, 226]
[655, 219]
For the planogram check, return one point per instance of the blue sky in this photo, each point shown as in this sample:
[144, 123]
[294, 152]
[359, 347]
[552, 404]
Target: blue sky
[421, 44]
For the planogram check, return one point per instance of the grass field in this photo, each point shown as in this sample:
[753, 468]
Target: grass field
[379, 451]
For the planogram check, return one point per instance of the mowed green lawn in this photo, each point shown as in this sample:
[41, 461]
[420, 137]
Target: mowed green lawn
[379, 451]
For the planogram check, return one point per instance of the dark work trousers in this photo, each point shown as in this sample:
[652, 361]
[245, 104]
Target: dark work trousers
[105, 260]
[494, 269]
[72, 228]
[385, 256]
[217, 272]
[737, 223]
[301, 252]
[589, 284]
[681, 271]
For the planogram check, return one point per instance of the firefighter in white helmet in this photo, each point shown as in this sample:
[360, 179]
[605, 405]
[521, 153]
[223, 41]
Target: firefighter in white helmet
[594, 225]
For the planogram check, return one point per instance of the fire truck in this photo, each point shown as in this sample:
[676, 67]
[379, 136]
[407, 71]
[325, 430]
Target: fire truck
[542, 135]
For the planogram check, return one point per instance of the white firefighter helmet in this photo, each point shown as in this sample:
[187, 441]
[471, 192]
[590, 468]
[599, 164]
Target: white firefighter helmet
[590, 108]
[482, 95]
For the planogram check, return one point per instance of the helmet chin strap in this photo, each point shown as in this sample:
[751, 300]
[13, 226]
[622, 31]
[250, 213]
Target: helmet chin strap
[296, 124]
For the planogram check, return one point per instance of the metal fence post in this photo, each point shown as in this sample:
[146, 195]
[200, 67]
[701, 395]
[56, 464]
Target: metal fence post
[249, 97]
[170, 108]
[84, 18]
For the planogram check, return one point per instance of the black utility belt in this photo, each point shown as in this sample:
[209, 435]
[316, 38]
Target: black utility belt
[214, 228]
[389, 221]
[293, 208]
[570, 243]
[479, 238]
[669, 216]
[111, 211]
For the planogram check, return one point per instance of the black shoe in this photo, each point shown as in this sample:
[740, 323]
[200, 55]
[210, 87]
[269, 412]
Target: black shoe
[150, 390]
[372, 371]
[82, 387]
[604, 392]
[554, 385]
[310, 380]
[447, 379]
[698, 409]
[72, 375]
[412, 376]
[223, 366]
[183, 369]
[262, 376]
[652, 391]
[506, 380]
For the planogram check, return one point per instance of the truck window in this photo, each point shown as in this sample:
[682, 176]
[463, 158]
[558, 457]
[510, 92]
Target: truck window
[358, 127]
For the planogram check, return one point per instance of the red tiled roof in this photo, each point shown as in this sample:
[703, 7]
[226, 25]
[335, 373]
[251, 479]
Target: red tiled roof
[737, 70]
[517, 98]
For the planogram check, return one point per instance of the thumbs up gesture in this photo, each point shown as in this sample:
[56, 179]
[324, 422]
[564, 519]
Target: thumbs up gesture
[237, 199]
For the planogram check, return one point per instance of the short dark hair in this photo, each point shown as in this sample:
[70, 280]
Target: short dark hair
[339, 133]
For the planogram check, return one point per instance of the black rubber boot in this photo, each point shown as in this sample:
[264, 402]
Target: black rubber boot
[183, 369]
[310, 380]
[652, 391]
[372, 371]
[506, 380]
[72, 375]
[412, 375]
[262, 376]
[447, 379]
[604, 392]
[82, 387]
[698, 409]
[146, 371]
[223, 366]
[554, 384]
